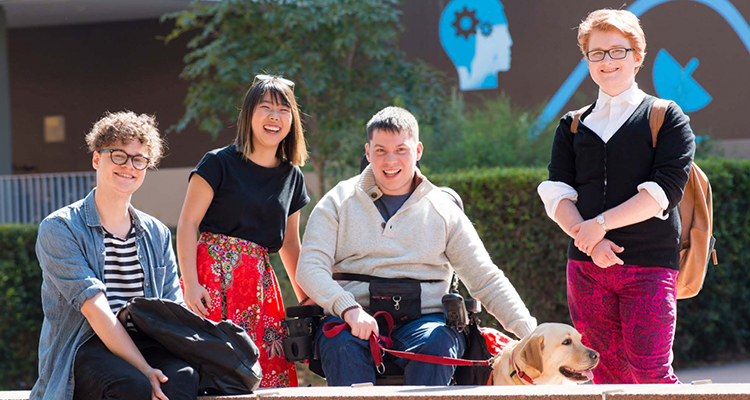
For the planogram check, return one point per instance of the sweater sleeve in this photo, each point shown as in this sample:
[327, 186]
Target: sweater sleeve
[484, 279]
[562, 166]
[316, 260]
[675, 149]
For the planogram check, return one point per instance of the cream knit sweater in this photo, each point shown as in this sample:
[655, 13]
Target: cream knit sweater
[426, 239]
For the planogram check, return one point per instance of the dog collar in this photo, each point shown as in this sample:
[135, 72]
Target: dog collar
[518, 376]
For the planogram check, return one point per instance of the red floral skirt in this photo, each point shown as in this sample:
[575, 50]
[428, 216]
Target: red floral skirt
[244, 290]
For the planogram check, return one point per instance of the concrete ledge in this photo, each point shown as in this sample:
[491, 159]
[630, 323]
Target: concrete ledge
[582, 392]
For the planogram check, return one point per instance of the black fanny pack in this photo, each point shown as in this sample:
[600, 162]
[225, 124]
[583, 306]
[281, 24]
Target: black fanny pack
[400, 297]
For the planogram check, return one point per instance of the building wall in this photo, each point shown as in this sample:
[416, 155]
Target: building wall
[80, 71]
[544, 52]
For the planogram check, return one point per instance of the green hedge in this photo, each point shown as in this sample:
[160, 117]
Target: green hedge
[20, 307]
[530, 248]
[510, 218]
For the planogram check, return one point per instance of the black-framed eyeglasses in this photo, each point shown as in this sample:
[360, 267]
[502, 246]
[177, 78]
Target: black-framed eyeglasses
[615, 54]
[265, 78]
[120, 157]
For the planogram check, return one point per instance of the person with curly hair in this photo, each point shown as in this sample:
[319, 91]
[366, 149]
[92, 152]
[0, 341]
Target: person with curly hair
[95, 255]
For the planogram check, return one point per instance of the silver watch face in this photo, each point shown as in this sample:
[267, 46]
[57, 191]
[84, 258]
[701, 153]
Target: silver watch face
[600, 219]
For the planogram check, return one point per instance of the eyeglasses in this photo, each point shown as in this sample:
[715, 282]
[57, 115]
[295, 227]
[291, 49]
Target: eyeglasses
[266, 78]
[615, 54]
[120, 157]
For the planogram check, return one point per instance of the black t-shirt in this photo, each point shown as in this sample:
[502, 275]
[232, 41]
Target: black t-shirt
[250, 202]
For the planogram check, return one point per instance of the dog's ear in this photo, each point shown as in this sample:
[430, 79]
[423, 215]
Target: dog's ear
[531, 354]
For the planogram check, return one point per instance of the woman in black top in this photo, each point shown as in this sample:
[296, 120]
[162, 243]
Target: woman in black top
[244, 199]
[616, 196]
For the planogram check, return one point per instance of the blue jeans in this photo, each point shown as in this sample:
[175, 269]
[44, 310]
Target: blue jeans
[347, 359]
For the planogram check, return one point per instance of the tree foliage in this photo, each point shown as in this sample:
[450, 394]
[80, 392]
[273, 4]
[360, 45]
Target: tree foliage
[343, 56]
[491, 133]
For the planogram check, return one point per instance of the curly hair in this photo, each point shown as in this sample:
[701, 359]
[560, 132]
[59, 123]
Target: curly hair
[124, 127]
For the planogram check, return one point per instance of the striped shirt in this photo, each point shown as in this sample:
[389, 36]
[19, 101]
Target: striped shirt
[123, 273]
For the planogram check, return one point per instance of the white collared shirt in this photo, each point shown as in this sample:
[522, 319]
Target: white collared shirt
[609, 114]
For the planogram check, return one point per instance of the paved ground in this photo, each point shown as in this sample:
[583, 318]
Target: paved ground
[722, 376]
[738, 372]
[727, 373]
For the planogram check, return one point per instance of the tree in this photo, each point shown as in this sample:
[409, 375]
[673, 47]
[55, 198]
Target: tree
[343, 56]
[491, 133]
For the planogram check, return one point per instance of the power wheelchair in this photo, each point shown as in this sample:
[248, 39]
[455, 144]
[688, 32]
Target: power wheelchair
[302, 322]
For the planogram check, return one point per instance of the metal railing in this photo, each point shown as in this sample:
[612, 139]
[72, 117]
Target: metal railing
[28, 199]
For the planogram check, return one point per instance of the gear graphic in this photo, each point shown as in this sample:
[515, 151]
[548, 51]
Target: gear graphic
[460, 17]
[486, 29]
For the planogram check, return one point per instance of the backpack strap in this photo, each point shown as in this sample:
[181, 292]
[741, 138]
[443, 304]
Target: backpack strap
[656, 117]
[577, 118]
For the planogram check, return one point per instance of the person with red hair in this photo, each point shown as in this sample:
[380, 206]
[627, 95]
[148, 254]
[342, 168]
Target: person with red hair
[616, 194]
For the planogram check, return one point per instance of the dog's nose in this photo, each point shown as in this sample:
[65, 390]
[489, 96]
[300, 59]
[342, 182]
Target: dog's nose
[594, 355]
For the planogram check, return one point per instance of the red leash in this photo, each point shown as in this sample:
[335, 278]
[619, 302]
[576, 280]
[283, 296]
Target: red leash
[332, 329]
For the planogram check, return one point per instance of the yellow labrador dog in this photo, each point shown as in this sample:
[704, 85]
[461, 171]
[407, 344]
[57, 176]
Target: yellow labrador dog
[551, 355]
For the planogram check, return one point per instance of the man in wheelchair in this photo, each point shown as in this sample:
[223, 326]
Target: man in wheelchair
[389, 240]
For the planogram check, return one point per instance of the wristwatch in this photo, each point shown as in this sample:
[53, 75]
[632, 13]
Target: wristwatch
[600, 220]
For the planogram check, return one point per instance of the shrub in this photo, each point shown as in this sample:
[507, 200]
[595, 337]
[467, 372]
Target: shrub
[491, 134]
[716, 324]
[530, 248]
[504, 206]
[20, 306]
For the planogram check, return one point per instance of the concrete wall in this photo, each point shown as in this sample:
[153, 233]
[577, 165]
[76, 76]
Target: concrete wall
[162, 194]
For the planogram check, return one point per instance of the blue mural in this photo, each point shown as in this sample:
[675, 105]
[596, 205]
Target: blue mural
[474, 34]
[671, 80]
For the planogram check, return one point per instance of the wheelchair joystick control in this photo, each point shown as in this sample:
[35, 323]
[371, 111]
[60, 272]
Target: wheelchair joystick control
[301, 324]
[454, 311]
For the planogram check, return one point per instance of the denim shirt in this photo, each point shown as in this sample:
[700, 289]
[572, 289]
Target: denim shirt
[70, 249]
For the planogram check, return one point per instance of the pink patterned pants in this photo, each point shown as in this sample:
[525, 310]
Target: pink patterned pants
[628, 314]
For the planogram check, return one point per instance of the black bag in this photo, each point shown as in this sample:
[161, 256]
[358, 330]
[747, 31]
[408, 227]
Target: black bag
[402, 298]
[223, 354]
[476, 349]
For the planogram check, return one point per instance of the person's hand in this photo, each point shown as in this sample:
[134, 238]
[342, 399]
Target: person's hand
[588, 234]
[156, 377]
[196, 297]
[604, 254]
[362, 324]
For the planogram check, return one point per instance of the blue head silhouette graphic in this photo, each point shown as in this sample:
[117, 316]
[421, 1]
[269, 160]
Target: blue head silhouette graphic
[474, 34]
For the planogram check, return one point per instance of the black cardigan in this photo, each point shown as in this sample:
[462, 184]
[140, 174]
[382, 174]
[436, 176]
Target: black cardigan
[606, 175]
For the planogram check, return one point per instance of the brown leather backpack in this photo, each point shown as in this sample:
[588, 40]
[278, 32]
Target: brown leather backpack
[696, 214]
